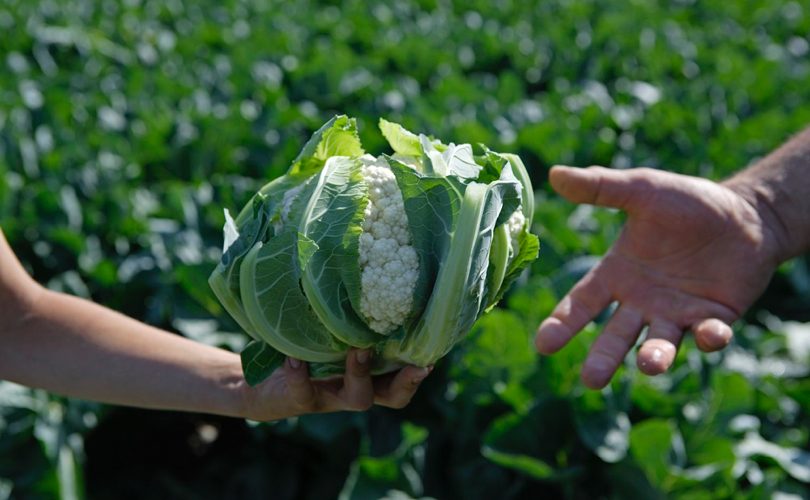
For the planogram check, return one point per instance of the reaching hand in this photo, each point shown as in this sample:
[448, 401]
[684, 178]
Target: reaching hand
[290, 391]
[693, 255]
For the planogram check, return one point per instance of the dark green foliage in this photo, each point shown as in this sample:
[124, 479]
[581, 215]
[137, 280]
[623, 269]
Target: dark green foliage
[259, 361]
[125, 127]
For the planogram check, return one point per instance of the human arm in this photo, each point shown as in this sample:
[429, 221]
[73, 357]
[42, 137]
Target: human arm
[778, 187]
[77, 348]
[693, 255]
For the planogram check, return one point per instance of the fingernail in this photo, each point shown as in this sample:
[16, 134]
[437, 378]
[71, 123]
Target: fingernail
[295, 363]
[363, 356]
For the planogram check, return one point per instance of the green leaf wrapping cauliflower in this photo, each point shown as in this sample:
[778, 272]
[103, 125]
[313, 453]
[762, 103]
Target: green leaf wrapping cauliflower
[400, 253]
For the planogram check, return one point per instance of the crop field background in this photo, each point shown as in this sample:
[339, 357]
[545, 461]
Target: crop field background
[127, 126]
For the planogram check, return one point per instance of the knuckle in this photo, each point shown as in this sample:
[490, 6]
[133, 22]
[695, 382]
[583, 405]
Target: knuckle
[402, 402]
[395, 402]
[303, 396]
[307, 404]
[610, 344]
[360, 370]
[602, 361]
[402, 396]
[361, 404]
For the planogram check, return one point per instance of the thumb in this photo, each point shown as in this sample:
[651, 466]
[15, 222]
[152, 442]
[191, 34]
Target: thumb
[602, 186]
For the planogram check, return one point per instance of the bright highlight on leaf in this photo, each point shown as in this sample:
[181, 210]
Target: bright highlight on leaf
[399, 253]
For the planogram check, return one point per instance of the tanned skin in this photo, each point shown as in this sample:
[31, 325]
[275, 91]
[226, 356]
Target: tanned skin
[692, 256]
[77, 348]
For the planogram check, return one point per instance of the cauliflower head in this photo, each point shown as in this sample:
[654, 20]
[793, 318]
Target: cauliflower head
[399, 253]
[388, 263]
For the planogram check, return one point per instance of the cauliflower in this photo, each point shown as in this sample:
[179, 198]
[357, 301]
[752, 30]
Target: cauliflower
[514, 226]
[388, 263]
[400, 253]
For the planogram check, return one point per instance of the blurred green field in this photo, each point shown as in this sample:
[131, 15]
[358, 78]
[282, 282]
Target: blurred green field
[127, 126]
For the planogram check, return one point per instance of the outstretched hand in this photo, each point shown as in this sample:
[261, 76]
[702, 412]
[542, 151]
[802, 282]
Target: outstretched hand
[693, 255]
[289, 391]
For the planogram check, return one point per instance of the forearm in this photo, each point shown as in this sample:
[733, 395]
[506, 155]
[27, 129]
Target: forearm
[779, 187]
[75, 348]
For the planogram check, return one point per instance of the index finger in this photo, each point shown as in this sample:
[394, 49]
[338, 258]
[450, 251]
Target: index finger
[582, 304]
[358, 392]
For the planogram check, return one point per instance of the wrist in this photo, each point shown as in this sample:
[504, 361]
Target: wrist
[251, 402]
[253, 405]
[241, 397]
[762, 199]
[228, 392]
[777, 187]
[244, 398]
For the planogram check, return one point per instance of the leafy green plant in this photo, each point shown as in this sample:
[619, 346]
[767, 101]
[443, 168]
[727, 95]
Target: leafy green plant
[397, 253]
[125, 127]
